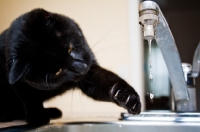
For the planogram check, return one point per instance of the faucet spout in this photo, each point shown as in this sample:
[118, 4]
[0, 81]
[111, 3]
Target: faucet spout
[150, 14]
[196, 62]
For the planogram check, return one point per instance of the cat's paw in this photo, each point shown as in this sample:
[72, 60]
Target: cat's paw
[37, 118]
[5, 118]
[126, 97]
[53, 113]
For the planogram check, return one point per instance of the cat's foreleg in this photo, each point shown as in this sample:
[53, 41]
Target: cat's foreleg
[32, 100]
[101, 84]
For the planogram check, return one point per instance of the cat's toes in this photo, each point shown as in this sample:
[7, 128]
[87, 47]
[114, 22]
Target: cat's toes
[37, 118]
[53, 112]
[127, 98]
[133, 104]
[5, 118]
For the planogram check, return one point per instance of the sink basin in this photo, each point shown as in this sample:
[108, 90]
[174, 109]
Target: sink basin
[121, 127]
[166, 117]
[151, 122]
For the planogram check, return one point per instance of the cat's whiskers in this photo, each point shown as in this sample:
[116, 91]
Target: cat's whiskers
[50, 78]
[47, 81]
[84, 79]
[71, 107]
[108, 47]
[83, 104]
[104, 37]
[79, 84]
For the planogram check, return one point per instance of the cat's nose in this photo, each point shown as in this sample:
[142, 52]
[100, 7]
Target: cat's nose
[79, 67]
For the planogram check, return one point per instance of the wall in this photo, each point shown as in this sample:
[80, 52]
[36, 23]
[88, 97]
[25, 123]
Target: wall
[106, 25]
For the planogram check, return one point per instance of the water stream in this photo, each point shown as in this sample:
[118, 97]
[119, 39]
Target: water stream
[150, 64]
[150, 69]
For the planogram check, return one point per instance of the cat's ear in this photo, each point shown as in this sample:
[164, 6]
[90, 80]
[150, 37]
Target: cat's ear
[17, 71]
[49, 19]
[46, 14]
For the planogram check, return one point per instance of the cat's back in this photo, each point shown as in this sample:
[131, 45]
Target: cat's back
[8, 35]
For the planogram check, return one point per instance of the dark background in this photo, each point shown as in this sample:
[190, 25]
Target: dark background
[183, 17]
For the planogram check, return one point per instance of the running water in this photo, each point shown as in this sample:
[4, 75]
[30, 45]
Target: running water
[150, 70]
[150, 64]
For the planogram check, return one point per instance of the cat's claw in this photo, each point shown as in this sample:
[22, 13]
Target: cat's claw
[115, 97]
[127, 98]
[134, 106]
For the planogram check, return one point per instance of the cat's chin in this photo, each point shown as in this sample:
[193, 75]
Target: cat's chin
[63, 77]
[43, 86]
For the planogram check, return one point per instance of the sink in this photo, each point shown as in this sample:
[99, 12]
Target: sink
[146, 121]
[165, 117]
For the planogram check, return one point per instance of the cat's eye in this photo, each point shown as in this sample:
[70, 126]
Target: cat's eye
[59, 72]
[70, 48]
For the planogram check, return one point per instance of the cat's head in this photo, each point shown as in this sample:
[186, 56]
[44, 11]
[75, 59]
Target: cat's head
[46, 50]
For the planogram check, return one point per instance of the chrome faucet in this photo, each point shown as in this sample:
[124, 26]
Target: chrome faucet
[196, 62]
[156, 27]
[191, 72]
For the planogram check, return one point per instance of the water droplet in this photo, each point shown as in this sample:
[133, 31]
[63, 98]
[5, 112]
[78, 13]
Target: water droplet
[150, 77]
[142, 116]
[151, 96]
[150, 65]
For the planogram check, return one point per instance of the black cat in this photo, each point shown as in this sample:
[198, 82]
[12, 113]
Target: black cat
[44, 54]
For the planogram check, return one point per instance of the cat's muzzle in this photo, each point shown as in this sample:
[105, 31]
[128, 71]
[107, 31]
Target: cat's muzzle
[79, 68]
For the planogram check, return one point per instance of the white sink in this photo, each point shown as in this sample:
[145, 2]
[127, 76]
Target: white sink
[145, 122]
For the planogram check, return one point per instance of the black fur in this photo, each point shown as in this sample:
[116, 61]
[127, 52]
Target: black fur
[44, 54]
